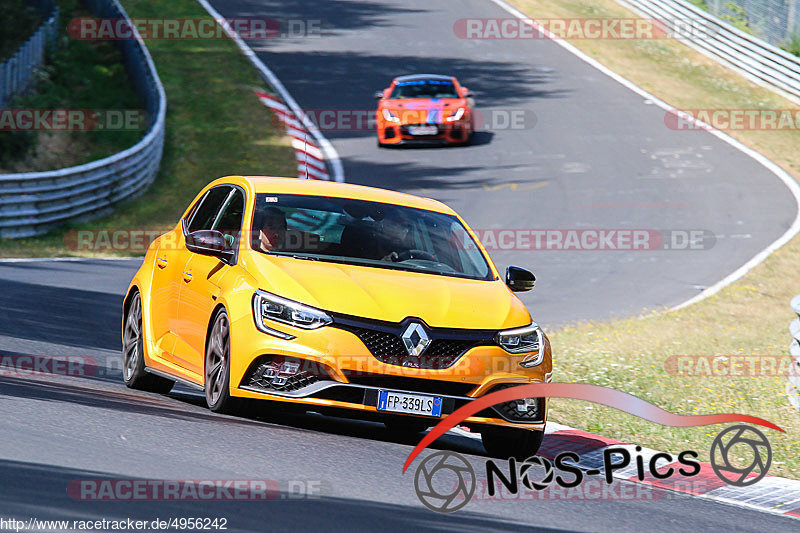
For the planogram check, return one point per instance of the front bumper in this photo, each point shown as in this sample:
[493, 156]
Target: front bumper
[450, 133]
[332, 368]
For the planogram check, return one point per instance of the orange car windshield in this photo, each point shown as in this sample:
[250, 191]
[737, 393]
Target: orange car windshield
[424, 89]
[360, 232]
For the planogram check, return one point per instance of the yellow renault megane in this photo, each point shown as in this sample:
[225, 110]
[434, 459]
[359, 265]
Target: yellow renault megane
[336, 298]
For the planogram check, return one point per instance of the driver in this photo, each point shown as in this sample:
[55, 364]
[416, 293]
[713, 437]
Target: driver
[396, 233]
[272, 234]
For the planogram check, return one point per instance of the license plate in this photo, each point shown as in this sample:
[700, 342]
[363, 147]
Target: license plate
[423, 130]
[415, 404]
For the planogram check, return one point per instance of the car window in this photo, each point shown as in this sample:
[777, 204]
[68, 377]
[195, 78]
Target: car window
[206, 212]
[366, 233]
[424, 89]
[229, 221]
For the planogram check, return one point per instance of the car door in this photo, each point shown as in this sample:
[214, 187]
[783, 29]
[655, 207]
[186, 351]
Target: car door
[171, 257]
[201, 277]
[201, 217]
[165, 289]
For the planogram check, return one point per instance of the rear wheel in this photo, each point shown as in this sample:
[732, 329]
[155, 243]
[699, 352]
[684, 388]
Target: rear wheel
[502, 443]
[133, 370]
[217, 366]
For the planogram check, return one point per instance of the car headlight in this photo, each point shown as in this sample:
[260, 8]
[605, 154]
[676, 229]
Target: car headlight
[524, 340]
[391, 117]
[268, 307]
[457, 115]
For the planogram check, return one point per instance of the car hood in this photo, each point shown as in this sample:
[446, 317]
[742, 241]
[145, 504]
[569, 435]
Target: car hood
[391, 295]
[423, 110]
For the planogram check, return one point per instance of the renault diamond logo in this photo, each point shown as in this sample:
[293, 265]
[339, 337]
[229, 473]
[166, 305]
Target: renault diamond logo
[415, 339]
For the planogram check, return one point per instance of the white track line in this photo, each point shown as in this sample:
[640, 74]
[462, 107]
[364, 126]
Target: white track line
[787, 180]
[330, 152]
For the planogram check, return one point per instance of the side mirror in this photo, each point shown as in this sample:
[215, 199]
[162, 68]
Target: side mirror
[378, 95]
[209, 242]
[466, 93]
[519, 280]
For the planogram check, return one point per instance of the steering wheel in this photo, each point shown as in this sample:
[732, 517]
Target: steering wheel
[415, 254]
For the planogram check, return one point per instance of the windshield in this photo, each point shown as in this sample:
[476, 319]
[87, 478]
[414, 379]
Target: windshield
[424, 89]
[365, 233]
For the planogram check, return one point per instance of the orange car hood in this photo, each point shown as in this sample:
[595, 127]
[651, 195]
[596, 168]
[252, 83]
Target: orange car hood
[424, 110]
[391, 295]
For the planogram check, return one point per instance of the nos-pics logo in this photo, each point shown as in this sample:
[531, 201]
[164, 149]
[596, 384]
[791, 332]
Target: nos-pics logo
[445, 481]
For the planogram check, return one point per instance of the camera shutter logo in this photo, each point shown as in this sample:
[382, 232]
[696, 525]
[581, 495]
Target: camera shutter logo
[452, 497]
[546, 478]
[737, 474]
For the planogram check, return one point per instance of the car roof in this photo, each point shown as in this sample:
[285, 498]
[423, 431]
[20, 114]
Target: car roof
[276, 185]
[415, 77]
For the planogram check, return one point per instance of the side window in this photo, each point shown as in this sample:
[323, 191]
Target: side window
[206, 213]
[230, 220]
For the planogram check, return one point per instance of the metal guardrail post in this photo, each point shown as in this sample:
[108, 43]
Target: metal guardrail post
[755, 58]
[33, 203]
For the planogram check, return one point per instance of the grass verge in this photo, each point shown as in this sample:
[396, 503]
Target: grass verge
[749, 317]
[215, 127]
[75, 75]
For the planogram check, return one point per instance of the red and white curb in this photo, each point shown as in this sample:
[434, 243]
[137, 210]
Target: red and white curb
[310, 159]
[774, 495]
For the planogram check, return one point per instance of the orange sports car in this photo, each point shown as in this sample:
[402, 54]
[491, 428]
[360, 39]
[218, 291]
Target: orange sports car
[424, 109]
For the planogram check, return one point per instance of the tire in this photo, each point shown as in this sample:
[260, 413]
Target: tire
[133, 369]
[407, 425]
[503, 443]
[216, 369]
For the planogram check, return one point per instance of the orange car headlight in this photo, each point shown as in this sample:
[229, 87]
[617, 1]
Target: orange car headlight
[457, 115]
[391, 117]
[270, 307]
[528, 340]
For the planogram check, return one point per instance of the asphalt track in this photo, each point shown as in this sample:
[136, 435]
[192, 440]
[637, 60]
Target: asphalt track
[598, 157]
[607, 162]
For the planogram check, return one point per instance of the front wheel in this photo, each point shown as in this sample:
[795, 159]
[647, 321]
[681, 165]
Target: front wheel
[133, 371]
[218, 365]
[502, 443]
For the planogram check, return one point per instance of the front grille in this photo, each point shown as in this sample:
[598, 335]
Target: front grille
[381, 344]
[267, 373]
[383, 340]
[512, 412]
[403, 383]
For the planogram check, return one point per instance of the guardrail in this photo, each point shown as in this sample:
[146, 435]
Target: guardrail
[753, 57]
[16, 72]
[33, 203]
[793, 387]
